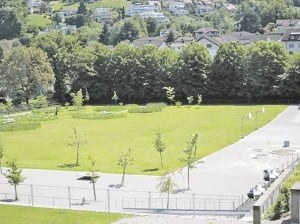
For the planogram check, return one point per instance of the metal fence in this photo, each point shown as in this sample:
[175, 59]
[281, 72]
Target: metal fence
[115, 199]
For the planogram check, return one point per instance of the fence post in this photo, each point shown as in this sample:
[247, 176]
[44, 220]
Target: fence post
[69, 196]
[149, 200]
[31, 190]
[108, 200]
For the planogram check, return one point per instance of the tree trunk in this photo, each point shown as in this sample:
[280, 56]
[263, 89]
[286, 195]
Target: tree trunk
[94, 189]
[123, 175]
[161, 161]
[188, 170]
[168, 199]
[16, 193]
[77, 156]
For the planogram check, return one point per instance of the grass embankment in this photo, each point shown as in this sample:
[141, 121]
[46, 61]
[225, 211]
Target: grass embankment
[29, 215]
[46, 147]
[40, 21]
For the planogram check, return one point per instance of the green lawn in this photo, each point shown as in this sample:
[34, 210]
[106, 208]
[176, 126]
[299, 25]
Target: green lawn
[47, 148]
[41, 21]
[29, 215]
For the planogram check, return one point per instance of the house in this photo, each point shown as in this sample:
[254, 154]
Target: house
[34, 5]
[137, 9]
[158, 16]
[181, 42]
[156, 5]
[212, 43]
[178, 8]
[285, 24]
[149, 41]
[103, 15]
[204, 31]
[202, 9]
[291, 40]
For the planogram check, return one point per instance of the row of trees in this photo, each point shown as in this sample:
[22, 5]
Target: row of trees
[261, 71]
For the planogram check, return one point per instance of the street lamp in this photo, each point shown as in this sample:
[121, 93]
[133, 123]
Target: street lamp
[248, 116]
[263, 110]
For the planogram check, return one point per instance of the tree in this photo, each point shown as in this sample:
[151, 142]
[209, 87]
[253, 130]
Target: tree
[76, 140]
[194, 143]
[189, 159]
[77, 99]
[170, 93]
[167, 185]
[1, 54]
[25, 73]
[94, 175]
[199, 100]
[160, 146]
[190, 99]
[170, 37]
[227, 71]
[1, 155]
[151, 26]
[14, 175]
[10, 24]
[56, 18]
[124, 161]
[104, 36]
[192, 70]
[251, 21]
[82, 8]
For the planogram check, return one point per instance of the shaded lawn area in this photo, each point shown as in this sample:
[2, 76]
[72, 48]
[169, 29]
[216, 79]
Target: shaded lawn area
[30, 215]
[217, 126]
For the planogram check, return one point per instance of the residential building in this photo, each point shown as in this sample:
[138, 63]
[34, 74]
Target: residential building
[202, 9]
[149, 41]
[181, 42]
[291, 40]
[204, 31]
[103, 15]
[285, 24]
[156, 5]
[178, 8]
[212, 43]
[137, 9]
[34, 5]
[158, 16]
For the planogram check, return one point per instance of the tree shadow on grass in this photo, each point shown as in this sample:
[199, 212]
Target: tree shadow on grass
[67, 165]
[150, 170]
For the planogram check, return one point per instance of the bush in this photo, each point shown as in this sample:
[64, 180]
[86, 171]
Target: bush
[115, 108]
[96, 116]
[149, 108]
[282, 205]
[20, 126]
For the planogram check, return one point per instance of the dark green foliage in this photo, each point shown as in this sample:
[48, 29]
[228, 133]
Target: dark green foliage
[10, 25]
[82, 10]
[104, 36]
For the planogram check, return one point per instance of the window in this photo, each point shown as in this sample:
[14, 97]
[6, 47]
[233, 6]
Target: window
[291, 45]
[208, 46]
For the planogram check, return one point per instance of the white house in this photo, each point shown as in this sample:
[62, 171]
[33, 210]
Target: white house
[178, 8]
[158, 16]
[202, 9]
[156, 4]
[212, 43]
[137, 9]
[103, 15]
[34, 5]
[181, 42]
[291, 40]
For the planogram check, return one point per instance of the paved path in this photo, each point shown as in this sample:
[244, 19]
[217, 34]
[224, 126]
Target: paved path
[230, 171]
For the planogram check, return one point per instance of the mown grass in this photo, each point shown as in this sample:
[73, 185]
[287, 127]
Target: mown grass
[29, 215]
[47, 148]
[36, 20]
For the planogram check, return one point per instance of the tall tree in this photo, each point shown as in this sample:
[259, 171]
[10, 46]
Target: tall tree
[26, 73]
[160, 146]
[104, 36]
[77, 99]
[10, 24]
[192, 69]
[14, 175]
[77, 140]
[227, 71]
[125, 160]
[82, 8]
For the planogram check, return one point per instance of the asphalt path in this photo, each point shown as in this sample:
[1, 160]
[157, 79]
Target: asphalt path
[230, 172]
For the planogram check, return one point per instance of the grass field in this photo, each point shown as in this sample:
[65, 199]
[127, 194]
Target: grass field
[58, 5]
[29, 215]
[47, 148]
[40, 21]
